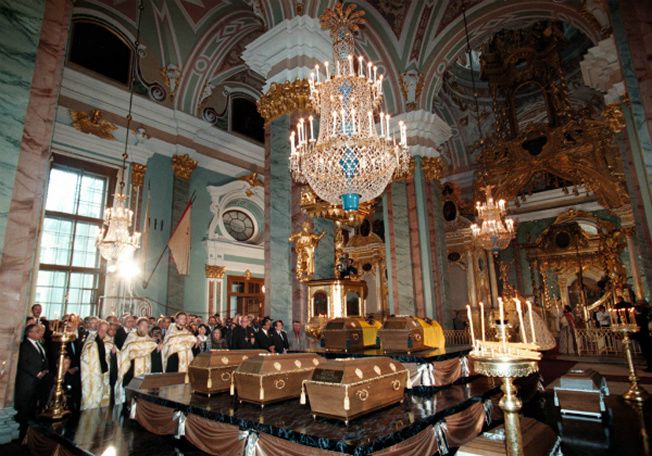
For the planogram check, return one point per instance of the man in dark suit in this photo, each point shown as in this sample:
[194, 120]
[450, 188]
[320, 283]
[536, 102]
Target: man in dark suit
[31, 376]
[264, 336]
[280, 338]
[243, 336]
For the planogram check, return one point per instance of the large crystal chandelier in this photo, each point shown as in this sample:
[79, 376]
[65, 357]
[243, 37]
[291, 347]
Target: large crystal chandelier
[351, 161]
[115, 241]
[496, 231]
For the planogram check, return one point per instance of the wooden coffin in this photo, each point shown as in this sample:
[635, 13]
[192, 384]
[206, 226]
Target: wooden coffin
[410, 334]
[350, 334]
[581, 392]
[210, 372]
[348, 388]
[274, 377]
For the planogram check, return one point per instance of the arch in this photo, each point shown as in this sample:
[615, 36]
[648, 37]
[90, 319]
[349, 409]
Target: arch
[487, 18]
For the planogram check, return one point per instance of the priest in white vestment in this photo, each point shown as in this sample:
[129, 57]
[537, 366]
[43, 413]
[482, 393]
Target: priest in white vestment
[177, 345]
[135, 358]
[94, 367]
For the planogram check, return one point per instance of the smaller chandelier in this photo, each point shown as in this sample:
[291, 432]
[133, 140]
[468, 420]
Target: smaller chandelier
[115, 241]
[350, 161]
[496, 231]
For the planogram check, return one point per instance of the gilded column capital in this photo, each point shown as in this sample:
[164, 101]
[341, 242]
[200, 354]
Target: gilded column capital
[407, 175]
[138, 174]
[433, 167]
[183, 166]
[214, 272]
[288, 97]
[613, 114]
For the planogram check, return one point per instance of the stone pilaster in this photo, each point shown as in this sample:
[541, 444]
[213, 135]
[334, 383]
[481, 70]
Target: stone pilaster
[182, 166]
[34, 41]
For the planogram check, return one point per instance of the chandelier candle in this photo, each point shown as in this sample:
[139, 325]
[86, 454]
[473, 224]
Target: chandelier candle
[470, 317]
[346, 162]
[501, 313]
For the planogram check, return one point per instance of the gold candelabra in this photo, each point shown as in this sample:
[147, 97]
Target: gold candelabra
[626, 324]
[506, 360]
[57, 407]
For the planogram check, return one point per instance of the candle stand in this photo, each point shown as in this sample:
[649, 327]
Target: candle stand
[635, 393]
[57, 407]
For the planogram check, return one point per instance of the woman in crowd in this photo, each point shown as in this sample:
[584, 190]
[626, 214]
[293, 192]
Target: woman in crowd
[217, 341]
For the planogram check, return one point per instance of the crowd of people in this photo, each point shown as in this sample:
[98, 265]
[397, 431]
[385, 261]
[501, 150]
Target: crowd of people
[106, 355]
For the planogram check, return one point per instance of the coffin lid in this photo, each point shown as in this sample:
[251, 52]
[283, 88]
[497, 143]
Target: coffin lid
[406, 323]
[350, 323]
[354, 370]
[224, 358]
[270, 363]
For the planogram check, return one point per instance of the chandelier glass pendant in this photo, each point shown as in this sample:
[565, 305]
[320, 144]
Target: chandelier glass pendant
[116, 242]
[496, 231]
[351, 160]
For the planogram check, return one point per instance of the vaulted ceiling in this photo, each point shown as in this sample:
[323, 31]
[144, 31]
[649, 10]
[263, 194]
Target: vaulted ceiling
[205, 39]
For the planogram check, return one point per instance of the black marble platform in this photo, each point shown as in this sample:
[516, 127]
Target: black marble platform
[418, 357]
[291, 421]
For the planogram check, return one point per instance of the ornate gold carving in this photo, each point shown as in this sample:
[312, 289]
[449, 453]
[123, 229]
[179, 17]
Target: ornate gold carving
[183, 166]
[171, 75]
[339, 18]
[214, 272]
[291, 96]
[138, 174]
[305, 242]
[318, 208]
[253, 181]
[93, 122]
[433, 167]
[247, 274]
[613, 114]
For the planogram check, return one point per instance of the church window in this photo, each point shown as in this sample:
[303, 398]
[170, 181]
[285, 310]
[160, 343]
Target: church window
[246, 120]
[100, 50]
[238, 224]
[69, 276]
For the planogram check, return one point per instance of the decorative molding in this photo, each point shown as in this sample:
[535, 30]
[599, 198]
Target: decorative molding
[288, 97]
[426, 131]
[93, 123]
[138, 174]
[171, 74]
[183, 166]
[170, 131]
[288, 51]
[214, 271]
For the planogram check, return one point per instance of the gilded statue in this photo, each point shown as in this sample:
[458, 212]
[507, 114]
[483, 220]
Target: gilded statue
[305, 242]
[92, 122]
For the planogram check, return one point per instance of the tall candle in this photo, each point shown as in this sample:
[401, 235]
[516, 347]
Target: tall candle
[482, 319]
[338, 67]
[529, 311]
[369, 75]
[317, 72]
[294, 149]
[328, 73]
[387, 120]
[312, 135]
[360, 67]
[501, 314]
[350, 57]
[382, 126]
[519, 311]
[468, 314]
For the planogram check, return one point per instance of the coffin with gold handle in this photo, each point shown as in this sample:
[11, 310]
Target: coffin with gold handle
[274, 377]
[210, 372]
[350, 334]
[348, 388]
[410, 334]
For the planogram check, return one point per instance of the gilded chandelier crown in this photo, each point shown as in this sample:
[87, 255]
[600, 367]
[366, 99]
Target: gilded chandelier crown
[351, 160]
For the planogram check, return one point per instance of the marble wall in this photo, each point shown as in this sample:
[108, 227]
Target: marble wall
[278, 219]
[20, 23]
[632, 29]
[325, 252]
[28, 112]
[438, 254]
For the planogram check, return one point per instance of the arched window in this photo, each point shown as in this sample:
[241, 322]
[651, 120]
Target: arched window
[100, 50]
[246, 120]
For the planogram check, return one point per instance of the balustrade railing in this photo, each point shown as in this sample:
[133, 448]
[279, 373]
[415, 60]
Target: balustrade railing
[602, 342]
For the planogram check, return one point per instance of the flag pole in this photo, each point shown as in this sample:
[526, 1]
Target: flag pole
[167, 247]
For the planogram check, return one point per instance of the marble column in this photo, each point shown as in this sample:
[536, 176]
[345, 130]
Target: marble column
[470, 278]
[182, 166]
[633, 263]
[34, 41]
[438, 253]
[633, 37]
